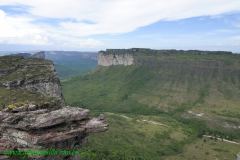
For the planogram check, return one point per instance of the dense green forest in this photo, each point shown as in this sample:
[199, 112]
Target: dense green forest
[69, 63]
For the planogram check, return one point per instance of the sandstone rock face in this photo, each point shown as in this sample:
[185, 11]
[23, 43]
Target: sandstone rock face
[51, 88]
[35, 75]
[145, 56]
[63, 127]
[109, 59]
[34, 127]
[40, 125]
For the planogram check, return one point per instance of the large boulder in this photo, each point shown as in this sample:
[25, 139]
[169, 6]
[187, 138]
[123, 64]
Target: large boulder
[42, 128]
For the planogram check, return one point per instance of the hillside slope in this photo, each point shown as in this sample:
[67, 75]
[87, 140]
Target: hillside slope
[192, 87]
[206, 83]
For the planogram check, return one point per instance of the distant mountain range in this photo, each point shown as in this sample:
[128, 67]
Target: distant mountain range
[67, 63]
[72, 63]
[64, 54]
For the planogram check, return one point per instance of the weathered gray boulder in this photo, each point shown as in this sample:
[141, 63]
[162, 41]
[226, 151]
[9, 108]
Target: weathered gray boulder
[44, 126]
[58, 128]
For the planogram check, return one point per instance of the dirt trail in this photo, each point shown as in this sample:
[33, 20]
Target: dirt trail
[121, 115]
[139, 120]
[152, 122]
[220, 139]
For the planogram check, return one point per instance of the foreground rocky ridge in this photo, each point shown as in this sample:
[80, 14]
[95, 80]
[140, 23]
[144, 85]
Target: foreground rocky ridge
[33, 124]
[33, 74]
[33, 127]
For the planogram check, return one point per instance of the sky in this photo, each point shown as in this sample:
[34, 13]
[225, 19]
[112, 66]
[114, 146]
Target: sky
[92, 25]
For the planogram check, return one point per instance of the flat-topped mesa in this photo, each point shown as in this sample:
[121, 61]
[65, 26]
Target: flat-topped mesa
[115, 57]
[145, 56]
[32, 110]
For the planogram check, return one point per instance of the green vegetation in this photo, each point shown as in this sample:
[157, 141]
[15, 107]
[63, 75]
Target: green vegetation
[18, 68]
[64, 71]
[192, 94]
[154, 137]
[67, 70]
[70, 64]
[145, 137]
[207, 149]
[149, 90]
[12, 98]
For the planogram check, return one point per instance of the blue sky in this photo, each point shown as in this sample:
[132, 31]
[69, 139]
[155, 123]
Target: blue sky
[205, 32]
[100, 24]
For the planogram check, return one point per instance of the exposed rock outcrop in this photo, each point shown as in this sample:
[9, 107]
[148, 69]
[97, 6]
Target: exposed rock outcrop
[40, 125]
[145, 56]
[56, 127]
[35, 75]
[111, 57]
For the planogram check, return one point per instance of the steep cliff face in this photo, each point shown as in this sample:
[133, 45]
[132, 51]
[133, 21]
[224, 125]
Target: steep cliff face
[157, 58]
[32, 110]
[33, 74]
[113, 57]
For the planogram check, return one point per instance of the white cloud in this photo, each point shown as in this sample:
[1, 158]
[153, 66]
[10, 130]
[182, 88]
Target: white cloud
[108, 17]
[20, 30]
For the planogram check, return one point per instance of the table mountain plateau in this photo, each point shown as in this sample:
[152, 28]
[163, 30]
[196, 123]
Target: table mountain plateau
[197, 91]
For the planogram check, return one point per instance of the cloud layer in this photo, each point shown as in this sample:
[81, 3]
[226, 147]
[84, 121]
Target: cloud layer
[72, 23]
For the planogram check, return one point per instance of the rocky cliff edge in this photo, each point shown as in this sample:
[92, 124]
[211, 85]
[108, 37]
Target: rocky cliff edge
[32, 110]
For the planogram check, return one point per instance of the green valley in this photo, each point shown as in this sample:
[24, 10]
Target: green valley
[162, 106]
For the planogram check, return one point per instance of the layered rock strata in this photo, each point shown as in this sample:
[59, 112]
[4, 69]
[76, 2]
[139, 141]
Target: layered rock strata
[39, 125]
[33, 74]
[105, 59]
